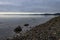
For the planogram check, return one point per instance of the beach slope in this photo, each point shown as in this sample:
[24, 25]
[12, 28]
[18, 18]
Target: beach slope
[47, 31]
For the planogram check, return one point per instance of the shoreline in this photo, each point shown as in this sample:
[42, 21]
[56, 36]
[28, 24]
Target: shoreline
[42, 29]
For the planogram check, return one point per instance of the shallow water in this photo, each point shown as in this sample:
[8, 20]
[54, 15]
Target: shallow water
[7, 24]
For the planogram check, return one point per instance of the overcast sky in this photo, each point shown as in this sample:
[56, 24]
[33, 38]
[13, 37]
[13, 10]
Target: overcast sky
[30, 5]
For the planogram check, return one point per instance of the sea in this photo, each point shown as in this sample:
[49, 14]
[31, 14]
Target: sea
[9, 22]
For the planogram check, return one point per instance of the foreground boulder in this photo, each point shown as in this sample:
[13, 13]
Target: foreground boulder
[18, 29]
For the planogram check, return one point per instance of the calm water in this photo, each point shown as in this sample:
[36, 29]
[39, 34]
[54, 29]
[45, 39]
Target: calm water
[8, 23]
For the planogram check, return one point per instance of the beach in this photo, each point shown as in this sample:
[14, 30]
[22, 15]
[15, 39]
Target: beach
[46, 31]
[8, 24]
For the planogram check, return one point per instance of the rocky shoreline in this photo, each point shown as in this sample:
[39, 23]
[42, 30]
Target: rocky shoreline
[47, 31]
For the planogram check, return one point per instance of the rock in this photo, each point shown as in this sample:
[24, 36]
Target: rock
[26, 24]
[18, 29]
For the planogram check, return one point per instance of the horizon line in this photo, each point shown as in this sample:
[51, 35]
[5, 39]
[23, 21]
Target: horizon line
[26, 12]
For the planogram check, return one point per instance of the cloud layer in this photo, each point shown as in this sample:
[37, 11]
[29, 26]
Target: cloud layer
[30, 5]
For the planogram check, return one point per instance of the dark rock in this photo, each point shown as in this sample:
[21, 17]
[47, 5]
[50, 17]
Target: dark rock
[18, 29]
[26, 24]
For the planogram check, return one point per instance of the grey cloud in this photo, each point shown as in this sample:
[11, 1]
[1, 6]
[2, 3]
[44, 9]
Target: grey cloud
[35, 5]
